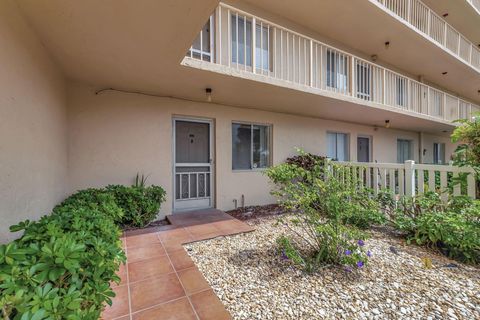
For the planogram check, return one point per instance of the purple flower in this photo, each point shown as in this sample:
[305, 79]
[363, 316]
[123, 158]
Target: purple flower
[360, 264]
[348, 252]
[284, 255]
[369, 254]
[361, 243]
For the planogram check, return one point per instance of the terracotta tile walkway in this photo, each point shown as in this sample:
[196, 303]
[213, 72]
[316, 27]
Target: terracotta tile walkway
[160, 281]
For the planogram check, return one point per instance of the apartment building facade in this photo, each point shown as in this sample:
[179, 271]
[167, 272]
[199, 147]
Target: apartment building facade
[203, 95]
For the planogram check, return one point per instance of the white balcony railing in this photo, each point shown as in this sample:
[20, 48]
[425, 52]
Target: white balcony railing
[475, 4]
[248, 44]
[422, 18]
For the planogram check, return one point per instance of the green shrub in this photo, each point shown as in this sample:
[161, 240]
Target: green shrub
[140, 205]
[300, 188]
[454, 228]
[326, 212]
[62, 266]
[305, 161]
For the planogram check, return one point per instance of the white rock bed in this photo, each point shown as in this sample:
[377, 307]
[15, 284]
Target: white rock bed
[252, 281]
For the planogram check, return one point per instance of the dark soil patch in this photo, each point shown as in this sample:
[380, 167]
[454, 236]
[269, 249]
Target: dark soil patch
[253, 212]
[156, 223]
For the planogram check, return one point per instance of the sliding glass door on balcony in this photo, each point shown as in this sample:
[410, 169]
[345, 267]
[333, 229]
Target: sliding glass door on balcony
[337, 74]
[241, 40]
[241, 43]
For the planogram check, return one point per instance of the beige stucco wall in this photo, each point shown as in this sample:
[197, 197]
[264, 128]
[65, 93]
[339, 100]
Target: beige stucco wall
[429, 140]
[114, 135]
[33, 150]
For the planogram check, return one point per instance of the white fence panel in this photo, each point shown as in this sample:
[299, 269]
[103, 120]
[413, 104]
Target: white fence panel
[413, 179]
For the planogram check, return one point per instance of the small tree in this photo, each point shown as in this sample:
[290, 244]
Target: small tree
[468, 152]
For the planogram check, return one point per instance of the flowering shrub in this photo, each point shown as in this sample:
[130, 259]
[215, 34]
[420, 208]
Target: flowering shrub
[326, 215]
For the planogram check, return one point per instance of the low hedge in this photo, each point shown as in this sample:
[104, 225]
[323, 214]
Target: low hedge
[62, 266]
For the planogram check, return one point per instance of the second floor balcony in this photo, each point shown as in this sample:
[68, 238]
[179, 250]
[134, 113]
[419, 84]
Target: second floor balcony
[433, 26]
[249, 46]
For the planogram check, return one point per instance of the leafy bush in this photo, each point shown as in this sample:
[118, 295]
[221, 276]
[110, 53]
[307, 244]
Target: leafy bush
[140, 205]
[62, 266]
[454, 227]
[468, 152]
[305, 161]
[326, 213]
[298, 188]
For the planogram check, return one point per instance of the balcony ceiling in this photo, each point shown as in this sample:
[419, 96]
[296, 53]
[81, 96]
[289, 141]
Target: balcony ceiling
[117, 42]
[461, 15]
[364, 27]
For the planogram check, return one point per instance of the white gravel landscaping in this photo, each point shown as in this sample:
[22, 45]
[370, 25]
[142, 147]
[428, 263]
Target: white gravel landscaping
[253, 282]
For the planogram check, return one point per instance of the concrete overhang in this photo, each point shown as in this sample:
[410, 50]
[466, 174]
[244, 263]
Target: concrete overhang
[241, 89]
[121, 42]
[365, 27]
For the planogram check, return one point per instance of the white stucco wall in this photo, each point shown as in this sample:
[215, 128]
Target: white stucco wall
[114, 135]
[33, 144]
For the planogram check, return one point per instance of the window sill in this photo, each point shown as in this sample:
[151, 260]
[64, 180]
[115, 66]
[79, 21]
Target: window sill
[248, 170]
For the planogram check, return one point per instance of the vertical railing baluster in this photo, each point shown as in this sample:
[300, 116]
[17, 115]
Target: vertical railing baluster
[311, 63]
[254, 44]
[219, 35]
[229, 37]
[245, 43]
[236, 39]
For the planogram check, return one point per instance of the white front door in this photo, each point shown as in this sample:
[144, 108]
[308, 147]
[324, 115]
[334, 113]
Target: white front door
[193, 174]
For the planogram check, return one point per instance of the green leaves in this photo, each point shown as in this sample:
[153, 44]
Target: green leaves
[140, 204]
[11, 253]
[62, 266]
[21, 226]
[454, 228]
[326, 211]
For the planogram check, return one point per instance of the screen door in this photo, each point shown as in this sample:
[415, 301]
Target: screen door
[193, 164]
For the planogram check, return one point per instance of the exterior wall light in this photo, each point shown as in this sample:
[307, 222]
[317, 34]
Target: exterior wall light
[208, 93]
[387, 124]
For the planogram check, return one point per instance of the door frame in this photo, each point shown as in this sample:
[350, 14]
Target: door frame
[370, 146]
[211, 137]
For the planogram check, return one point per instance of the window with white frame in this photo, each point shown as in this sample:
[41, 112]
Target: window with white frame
[251, 146]
[241, 45]
[337, 70]
[404, 150]
[202, 47]
[439, 153]
[338, 146]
